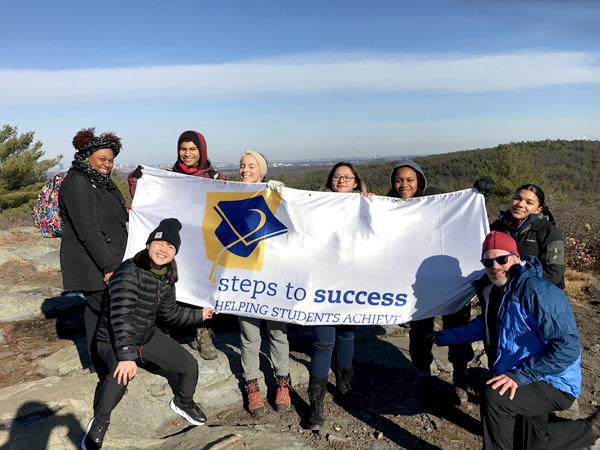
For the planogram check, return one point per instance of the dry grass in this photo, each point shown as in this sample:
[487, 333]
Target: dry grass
[577, 282]
[14, 218]
[8, 330]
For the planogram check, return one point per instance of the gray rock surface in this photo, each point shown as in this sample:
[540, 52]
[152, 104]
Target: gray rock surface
[594, 289]
[48, 262]
[22, 302]
[54, 411]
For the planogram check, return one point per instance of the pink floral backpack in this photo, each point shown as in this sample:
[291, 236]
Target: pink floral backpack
[46, 213]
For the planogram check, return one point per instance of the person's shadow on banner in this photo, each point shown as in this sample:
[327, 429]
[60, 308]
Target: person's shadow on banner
[398, 377]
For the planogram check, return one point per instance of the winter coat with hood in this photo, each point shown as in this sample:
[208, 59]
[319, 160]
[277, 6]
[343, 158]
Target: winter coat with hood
[538, 236]
[535, 327]
[423, 190]
[203, 170]
[94, 231]
[136, 300]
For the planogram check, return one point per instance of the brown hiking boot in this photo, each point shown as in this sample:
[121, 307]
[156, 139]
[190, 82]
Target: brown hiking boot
[282, 397]
[204, 344]
[255, 401]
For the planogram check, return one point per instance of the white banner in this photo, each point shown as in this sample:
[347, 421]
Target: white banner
[315, 257]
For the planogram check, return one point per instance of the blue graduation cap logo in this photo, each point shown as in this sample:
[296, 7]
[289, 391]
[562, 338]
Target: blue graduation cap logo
[244, 224]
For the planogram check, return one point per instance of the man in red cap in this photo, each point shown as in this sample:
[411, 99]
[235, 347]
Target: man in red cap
[531, 340]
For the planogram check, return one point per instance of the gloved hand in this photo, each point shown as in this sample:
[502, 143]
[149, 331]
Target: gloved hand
[485, 186]
[137, 173]
[276, 186]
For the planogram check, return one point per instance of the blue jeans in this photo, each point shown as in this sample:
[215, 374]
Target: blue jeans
[326, 337]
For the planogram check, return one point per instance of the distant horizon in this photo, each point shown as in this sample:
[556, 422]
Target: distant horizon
[332, 159]
[297, 80]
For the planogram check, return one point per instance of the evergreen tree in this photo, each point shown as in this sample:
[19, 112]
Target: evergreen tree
[511, 166]
[22, 173]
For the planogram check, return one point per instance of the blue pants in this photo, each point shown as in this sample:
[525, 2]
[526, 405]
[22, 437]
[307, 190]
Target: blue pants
[325, 338]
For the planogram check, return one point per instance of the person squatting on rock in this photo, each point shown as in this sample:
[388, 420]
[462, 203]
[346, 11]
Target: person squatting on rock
[94, 219]
[253, 169]
[192, 159]
[343, 178]
[141, 291]
[529, 222]
[408, 181]
[530, 336]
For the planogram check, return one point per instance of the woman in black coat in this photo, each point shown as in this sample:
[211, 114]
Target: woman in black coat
[529, 222]
[94, 222]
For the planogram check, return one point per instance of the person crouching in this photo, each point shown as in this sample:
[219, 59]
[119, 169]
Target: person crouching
[140, 291]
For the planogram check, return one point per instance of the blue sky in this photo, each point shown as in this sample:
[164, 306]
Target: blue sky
[301, 79]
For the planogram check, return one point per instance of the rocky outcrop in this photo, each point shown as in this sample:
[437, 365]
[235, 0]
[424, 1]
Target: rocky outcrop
[53, 412]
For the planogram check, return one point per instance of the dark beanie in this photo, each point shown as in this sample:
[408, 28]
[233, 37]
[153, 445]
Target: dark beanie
[190, 136]
[167, 230]
[497, 240]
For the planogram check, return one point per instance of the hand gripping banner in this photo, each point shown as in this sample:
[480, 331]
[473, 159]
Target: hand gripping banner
[315, 257]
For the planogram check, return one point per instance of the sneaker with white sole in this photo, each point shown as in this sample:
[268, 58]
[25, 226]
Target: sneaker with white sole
[191, 412]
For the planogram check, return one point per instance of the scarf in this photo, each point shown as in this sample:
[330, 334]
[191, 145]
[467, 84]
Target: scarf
[182, 168]
[96, 177]
[159, 272]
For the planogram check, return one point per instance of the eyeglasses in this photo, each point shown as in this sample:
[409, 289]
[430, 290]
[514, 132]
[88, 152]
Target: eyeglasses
[345, 178]
[502, 260]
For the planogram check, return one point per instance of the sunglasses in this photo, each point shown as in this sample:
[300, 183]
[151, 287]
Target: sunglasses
[502, 260]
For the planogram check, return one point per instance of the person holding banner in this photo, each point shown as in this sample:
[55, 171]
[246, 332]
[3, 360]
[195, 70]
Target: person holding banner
[530, 335]
[141, 291]
[408, 181]
[253, 168]
[94, 219]
[343, 178]
[529, 222]
[192, 159]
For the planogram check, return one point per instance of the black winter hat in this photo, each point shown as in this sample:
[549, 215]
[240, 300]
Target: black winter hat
[167, 230]
[187, 136]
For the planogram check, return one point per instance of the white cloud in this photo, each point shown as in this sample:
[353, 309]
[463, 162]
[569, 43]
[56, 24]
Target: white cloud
[308, 73]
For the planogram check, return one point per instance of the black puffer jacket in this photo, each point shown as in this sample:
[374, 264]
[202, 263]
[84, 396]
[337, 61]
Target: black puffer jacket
[94, 231]
[136, 300]
[538, 236]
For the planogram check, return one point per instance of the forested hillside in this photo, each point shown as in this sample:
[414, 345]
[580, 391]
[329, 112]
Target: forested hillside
[566, 170]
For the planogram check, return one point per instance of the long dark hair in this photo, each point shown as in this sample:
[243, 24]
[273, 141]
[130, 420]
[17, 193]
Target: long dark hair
[536, 190]
[360, 184]
[539, 193]
[143, 261]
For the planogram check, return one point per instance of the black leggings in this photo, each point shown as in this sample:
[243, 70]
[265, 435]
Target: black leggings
[94, 304]
[160, 350]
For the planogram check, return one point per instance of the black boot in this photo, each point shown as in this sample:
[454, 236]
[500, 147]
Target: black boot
[343, 376]
[316, 394]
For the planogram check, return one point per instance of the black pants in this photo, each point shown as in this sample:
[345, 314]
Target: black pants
[94, 304]
[419, 346]
[522, 423]
[162, 351]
